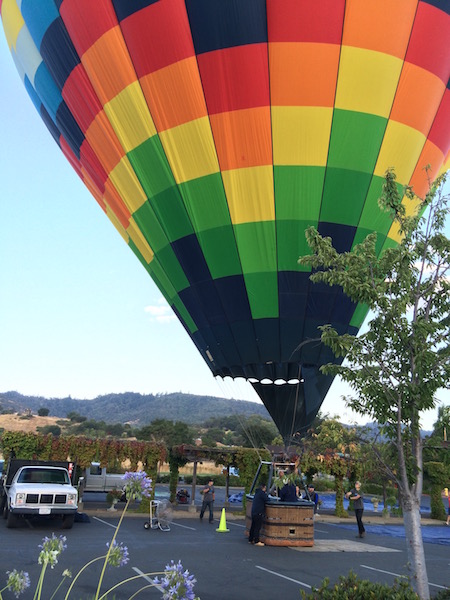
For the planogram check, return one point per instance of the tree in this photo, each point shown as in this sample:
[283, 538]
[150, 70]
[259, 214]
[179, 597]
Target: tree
[437, 462]
[256, 432]
[402, 360]
[43, 412]
[168, 432]
[336, 448]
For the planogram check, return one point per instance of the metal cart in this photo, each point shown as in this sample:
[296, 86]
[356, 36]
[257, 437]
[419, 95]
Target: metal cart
[160, 515]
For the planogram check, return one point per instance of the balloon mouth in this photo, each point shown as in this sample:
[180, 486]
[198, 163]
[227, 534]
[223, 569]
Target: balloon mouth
[267, 381]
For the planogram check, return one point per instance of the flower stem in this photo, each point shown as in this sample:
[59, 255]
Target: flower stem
[40, 583]
[60, 584]
[102, 574]
[79, 573]
[103, 596]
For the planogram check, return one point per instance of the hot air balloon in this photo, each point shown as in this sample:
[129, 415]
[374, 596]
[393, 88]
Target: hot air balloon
[212, 133]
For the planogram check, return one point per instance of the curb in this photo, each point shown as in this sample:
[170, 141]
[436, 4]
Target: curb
[234, 515]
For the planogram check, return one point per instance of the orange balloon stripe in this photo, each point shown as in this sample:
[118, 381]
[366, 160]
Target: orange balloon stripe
[417, 99]
[102, 138]
[116, 204]
[294, 69]
[380, 25]
[243, 138]
[174, 94]
[420, 180]
[108, 65]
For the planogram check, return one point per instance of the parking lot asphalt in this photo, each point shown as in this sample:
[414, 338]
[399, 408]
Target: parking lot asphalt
[225, 565]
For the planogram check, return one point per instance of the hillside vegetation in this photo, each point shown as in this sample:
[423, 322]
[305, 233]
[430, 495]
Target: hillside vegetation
[136, 409]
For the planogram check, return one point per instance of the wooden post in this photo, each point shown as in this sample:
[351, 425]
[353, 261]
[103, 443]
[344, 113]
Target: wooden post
[194, 483]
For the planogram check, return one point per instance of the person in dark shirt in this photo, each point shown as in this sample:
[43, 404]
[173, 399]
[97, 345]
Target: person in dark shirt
[258, 509]
[358, 503]
[313, 496]
[208, 500]
[288, 493]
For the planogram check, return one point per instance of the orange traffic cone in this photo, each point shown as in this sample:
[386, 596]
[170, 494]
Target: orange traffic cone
[223, 523]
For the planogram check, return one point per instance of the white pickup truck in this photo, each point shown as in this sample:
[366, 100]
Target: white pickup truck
[97, 479]
[39, 489]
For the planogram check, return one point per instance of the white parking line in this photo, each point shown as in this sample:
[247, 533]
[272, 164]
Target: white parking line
[142, 574]
[183, 526]
[284, 577]
[442, 587]
[105, 522]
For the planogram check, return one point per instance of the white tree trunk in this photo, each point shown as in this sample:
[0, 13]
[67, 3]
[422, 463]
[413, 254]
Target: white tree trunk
[414, 547]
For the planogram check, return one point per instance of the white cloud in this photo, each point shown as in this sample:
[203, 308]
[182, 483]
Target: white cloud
[161, 312]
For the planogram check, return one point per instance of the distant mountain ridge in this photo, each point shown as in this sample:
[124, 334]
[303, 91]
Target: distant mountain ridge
[134, 408]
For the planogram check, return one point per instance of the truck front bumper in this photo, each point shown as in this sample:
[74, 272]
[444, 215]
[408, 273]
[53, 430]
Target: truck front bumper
[42, 510]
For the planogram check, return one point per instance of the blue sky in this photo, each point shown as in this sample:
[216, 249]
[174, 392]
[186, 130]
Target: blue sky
[79, 316]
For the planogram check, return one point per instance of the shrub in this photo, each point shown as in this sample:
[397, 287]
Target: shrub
[351, 588]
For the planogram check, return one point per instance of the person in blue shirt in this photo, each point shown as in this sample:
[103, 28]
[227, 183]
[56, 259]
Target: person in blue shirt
[313, 496]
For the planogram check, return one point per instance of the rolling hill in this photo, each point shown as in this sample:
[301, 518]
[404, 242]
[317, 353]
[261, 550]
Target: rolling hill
[136, 409]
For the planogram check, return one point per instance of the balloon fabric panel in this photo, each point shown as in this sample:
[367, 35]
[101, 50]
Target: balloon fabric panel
[213, 133]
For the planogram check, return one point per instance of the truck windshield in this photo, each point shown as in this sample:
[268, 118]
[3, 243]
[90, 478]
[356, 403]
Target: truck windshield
[35, 475]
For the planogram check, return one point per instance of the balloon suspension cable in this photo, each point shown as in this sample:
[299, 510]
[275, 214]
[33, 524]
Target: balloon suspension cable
[294, 412]
[249, 435]
[222, 384]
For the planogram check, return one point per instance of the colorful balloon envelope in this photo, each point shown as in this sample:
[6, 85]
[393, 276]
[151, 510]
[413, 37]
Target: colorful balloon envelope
[212, 133]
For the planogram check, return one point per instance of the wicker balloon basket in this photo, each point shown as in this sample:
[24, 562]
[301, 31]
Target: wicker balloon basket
[285, 524]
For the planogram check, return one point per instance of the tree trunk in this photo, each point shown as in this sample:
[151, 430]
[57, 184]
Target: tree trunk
[339, 505]
[414, 547]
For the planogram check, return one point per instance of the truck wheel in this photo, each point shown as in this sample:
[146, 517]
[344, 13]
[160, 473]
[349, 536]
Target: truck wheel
[11, 520]
[68, 521]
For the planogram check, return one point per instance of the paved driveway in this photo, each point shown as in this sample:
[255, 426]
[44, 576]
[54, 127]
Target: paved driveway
[225, 565]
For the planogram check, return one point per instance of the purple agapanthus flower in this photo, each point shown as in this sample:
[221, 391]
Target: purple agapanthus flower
[177, 583]
[137, 485]
[18, 582]
[51, 548]
[118, 555]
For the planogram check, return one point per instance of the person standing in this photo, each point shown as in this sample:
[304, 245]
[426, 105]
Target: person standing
[313, 496]
[358, 504]
[208, 500]
[258, 509]
[289, 492]
[448, 512]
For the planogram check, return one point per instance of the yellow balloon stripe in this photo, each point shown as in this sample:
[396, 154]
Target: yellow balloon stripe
[250, 194]
[130, 118]
[366, 68]
[190, 150]
[301, 135]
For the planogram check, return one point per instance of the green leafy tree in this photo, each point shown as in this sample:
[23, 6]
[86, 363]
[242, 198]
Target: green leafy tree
[256, 432]
[337, 449]
[169, 432]
[437, 462]
[43, 412]
[399, 364]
